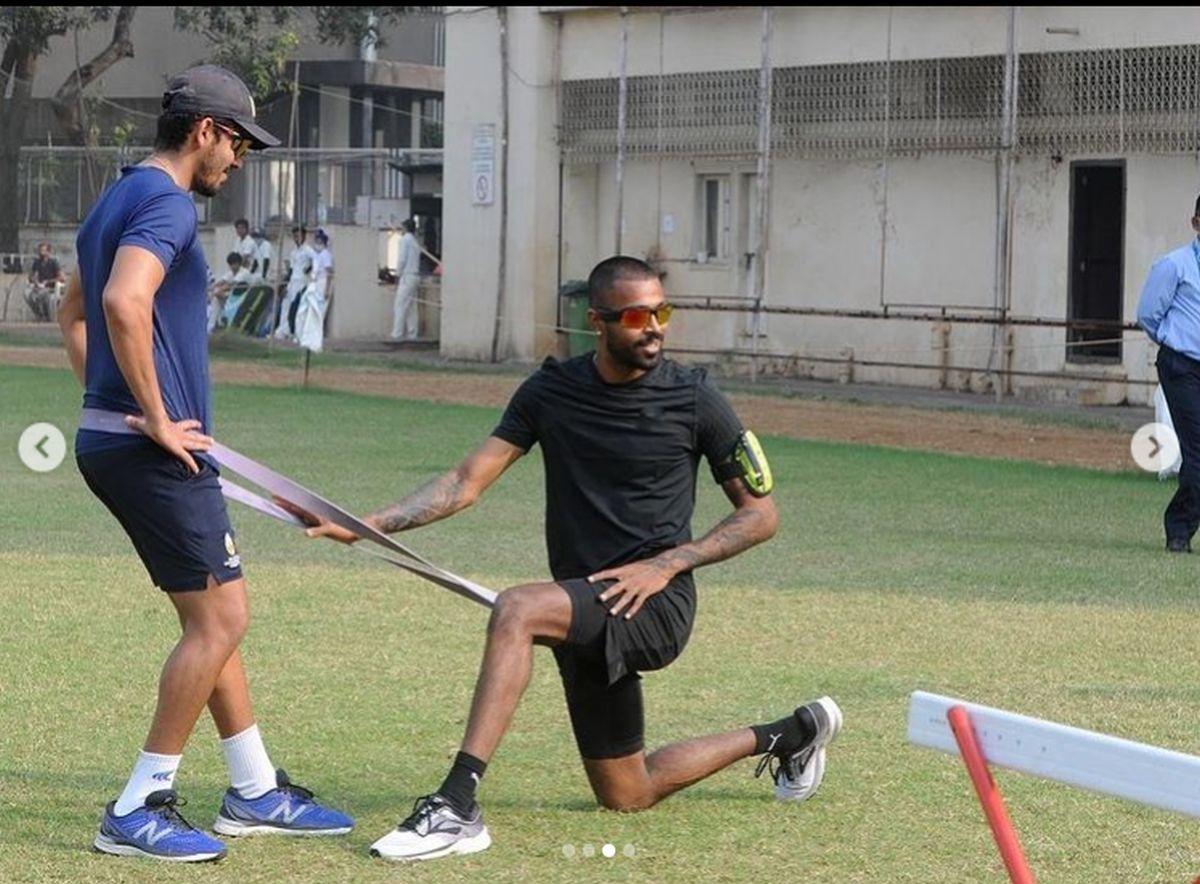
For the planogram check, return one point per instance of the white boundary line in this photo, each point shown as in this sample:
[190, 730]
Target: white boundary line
[1147, 774]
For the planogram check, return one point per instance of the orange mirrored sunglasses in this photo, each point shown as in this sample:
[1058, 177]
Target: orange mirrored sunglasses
[637, 317]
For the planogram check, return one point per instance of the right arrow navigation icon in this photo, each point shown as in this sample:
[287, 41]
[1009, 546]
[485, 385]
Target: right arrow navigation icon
[1155, 448]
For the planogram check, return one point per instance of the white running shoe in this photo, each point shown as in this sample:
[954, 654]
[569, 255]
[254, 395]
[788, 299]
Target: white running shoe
[798, 774]
[434, 829]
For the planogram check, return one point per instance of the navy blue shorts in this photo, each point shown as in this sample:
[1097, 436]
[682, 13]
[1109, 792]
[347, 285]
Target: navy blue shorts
[175, 518]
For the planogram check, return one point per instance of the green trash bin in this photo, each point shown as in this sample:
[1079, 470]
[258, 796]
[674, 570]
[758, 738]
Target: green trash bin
[580, 338]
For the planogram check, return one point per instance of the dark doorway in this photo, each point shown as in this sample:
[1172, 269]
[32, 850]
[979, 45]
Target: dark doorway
[1097, 259]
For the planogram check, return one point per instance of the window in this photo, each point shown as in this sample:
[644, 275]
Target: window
[712, 223]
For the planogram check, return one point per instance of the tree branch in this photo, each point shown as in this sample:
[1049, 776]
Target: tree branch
[68, 98]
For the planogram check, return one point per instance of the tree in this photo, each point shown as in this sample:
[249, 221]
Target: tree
[254, 42]
[68, 100]
[26, 32]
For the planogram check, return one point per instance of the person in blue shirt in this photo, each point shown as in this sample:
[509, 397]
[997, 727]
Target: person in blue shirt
[134, 324]
[1169, 311]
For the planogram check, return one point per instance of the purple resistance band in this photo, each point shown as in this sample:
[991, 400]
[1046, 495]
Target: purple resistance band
[292, 492]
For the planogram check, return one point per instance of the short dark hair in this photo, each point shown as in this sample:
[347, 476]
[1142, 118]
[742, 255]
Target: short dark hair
[233, 258]
[300, 229]
[610, 271]
[173, 130]
[1196, 211]
[240, 221]
[408, 224]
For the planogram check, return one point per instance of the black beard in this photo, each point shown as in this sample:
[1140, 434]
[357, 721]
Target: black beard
[204, 189]
[628, 356]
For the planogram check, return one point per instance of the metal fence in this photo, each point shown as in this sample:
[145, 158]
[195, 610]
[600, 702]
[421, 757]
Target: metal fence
[1135, 99]
[314, 185]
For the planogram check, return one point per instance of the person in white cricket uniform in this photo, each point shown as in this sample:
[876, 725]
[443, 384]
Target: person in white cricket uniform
[310, 317]
[299, 261]
[404, 322]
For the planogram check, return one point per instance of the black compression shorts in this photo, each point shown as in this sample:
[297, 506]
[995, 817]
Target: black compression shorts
[602, 656]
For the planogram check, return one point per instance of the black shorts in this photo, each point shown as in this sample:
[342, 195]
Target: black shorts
[602, 656]
[176, 519]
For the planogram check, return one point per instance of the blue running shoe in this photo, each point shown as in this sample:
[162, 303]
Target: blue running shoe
[156, 830]
[287, 809]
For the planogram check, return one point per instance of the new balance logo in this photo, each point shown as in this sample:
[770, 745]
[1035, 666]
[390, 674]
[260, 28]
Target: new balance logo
[151, 834]
[285, 812]
[163, 777]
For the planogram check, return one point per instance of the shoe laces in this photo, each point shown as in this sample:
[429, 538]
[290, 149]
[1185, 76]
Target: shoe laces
[422, 812]
[289, 788]
[780, 765]
[168, 809]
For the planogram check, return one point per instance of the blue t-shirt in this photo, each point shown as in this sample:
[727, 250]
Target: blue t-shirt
[146, 208]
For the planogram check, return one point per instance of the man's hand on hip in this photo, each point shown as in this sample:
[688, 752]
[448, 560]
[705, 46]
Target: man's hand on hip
[177, 437]
[635, 583]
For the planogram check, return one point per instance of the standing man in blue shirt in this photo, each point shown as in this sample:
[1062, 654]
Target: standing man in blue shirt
[135, 329]
[1169, 311]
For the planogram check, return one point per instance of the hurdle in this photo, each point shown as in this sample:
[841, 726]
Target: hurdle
[982, 736]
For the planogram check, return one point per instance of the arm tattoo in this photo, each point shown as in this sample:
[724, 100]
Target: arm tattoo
[440, 497]
[736, 533]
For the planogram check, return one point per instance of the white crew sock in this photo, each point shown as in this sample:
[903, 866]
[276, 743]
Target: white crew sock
[151, 773]
[250, 770]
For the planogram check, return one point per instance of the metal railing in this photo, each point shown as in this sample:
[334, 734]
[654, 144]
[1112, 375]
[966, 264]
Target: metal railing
[314, 185]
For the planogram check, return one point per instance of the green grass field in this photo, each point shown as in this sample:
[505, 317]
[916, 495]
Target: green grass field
[1037, 589]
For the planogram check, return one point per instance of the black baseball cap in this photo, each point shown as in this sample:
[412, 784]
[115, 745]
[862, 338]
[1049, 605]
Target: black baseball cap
[210, 90]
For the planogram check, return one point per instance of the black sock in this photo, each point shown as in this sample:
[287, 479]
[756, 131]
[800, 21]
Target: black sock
[460, 784]
[786, 735]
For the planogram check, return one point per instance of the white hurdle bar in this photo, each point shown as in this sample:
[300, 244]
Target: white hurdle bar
[1146, 774]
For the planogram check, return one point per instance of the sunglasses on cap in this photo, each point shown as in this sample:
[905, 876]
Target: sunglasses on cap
[637, 317]
[239, 142]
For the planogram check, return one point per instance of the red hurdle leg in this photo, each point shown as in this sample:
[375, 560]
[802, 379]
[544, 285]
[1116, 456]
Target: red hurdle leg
[990, 798]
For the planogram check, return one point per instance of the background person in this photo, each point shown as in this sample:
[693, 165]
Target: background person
[236, 275]
[264, 252]
[314, 302]
[1169, 311]
[299, 263]
[405, 316]
[243, 242]
[46, 278]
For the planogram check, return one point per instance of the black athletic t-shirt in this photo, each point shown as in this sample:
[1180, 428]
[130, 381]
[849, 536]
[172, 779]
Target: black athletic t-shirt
[620, 459]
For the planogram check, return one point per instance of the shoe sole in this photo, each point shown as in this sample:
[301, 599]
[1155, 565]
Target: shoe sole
[474, 844]
[235, 829]
[104, 844]
[834, 713]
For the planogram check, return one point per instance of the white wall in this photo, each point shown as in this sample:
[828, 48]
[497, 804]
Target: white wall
[698, 39]
[472, 233]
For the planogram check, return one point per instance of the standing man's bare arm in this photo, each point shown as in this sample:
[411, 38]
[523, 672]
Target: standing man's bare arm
[438, 498]
[129, 310]
[72, 322]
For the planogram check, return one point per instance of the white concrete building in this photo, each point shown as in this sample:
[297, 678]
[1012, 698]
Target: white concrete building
[903, 181]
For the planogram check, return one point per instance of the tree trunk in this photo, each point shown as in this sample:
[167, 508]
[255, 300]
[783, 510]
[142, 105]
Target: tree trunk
[68, 100]
[17, 68]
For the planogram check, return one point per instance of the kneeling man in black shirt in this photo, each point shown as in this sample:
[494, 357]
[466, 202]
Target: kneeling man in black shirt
[622, 433]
